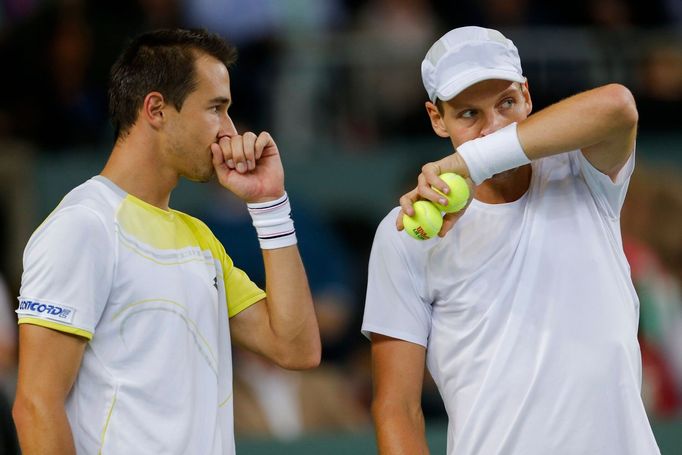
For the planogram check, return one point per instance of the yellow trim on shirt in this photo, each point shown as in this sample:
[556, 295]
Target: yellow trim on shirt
[106, 424]
[173, 230]
[229, 397]
[160, 229]
[240, 291]
[56, 326]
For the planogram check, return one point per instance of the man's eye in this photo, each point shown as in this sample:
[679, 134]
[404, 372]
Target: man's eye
[508, 103]
[470, 113]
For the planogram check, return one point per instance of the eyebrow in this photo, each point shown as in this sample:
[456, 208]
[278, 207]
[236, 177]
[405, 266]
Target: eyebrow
[221, 100]
[509, 91]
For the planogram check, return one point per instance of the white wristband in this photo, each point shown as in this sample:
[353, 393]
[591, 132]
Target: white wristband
[273, 223]
[492, 154]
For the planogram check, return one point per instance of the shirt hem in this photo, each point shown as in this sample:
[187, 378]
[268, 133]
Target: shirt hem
[368, 329]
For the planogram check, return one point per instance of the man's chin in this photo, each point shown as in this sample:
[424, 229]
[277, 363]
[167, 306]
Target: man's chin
[202, 177]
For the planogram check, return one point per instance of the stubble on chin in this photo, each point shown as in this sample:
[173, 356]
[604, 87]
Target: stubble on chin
[206, 176]
[201, 174]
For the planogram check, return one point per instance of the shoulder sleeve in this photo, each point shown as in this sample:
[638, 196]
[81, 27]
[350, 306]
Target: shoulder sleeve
[240, 291]
[609, 194]
[68, 271]
[394, 305]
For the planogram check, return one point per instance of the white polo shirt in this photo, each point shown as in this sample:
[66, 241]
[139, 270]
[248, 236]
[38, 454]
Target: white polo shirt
[528, 315]
[152, 290]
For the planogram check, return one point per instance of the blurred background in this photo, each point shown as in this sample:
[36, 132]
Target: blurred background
[337, 83]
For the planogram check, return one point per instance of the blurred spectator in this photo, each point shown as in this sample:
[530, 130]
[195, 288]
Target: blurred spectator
[610, 13]
[52, 100]
[386, 98]
[8, 341]
[659, 290]
[252, 26]
[506, 13]
[618, 14]
[8, 347]
[55, 93]
[161, 13]
[270, 401]
[277, 78]
[659, 97]
[324, 255]
[309, 78]
[284, 404]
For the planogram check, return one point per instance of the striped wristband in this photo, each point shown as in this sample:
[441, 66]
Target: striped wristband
[492, 154]
[273, 223]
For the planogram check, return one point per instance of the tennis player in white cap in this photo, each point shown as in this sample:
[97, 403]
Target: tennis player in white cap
[523, 309]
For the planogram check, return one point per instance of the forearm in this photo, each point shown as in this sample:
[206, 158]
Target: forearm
[399, 431]
[48, 366]
[290, 307]
[42, 429]
[601, 122]
[604, 117]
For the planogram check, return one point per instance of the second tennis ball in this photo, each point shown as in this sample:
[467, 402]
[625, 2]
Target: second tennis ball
[458, 195]
[425, 223]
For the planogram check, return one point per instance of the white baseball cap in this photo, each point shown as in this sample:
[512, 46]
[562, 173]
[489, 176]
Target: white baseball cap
[465, 56]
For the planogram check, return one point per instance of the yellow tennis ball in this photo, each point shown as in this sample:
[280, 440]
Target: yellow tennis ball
[458, 195]
[425, 223]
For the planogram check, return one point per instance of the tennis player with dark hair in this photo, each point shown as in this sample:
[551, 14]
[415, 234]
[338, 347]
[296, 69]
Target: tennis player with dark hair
[523, 309]
[127, 307]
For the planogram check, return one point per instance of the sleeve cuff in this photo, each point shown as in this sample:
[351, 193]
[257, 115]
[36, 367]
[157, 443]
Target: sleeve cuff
[56, 326]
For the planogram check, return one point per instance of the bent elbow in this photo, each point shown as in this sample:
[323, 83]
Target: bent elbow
[622, 102]
[24, 411]
[300, 362]
[296, 358]
[308, 363]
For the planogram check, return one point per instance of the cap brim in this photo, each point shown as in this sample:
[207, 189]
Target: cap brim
[457, 86]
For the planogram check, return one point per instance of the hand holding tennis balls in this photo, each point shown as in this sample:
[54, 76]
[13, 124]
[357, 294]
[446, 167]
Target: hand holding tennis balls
[458, 195]
[427, 220]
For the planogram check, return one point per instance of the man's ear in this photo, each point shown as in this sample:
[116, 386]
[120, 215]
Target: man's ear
[526, 96]
[437, 122]
[152, 109]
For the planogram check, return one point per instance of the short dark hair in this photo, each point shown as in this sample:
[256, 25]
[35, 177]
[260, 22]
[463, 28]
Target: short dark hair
[163, 61]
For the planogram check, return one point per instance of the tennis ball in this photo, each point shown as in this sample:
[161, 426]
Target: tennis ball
[425, 223]
[458, 195]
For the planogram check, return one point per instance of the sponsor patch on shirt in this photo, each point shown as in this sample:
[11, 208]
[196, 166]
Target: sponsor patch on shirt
[59, 313]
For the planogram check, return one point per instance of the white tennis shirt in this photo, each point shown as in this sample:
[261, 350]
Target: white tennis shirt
[152, 290]
[528, 315]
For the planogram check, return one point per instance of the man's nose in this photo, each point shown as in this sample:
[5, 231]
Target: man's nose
[494, 121]
[228, 128]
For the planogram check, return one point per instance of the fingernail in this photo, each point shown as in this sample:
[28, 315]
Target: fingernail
[230, 164]
[241, 167]
[249, 164]
[443, 201]
[446, 189]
